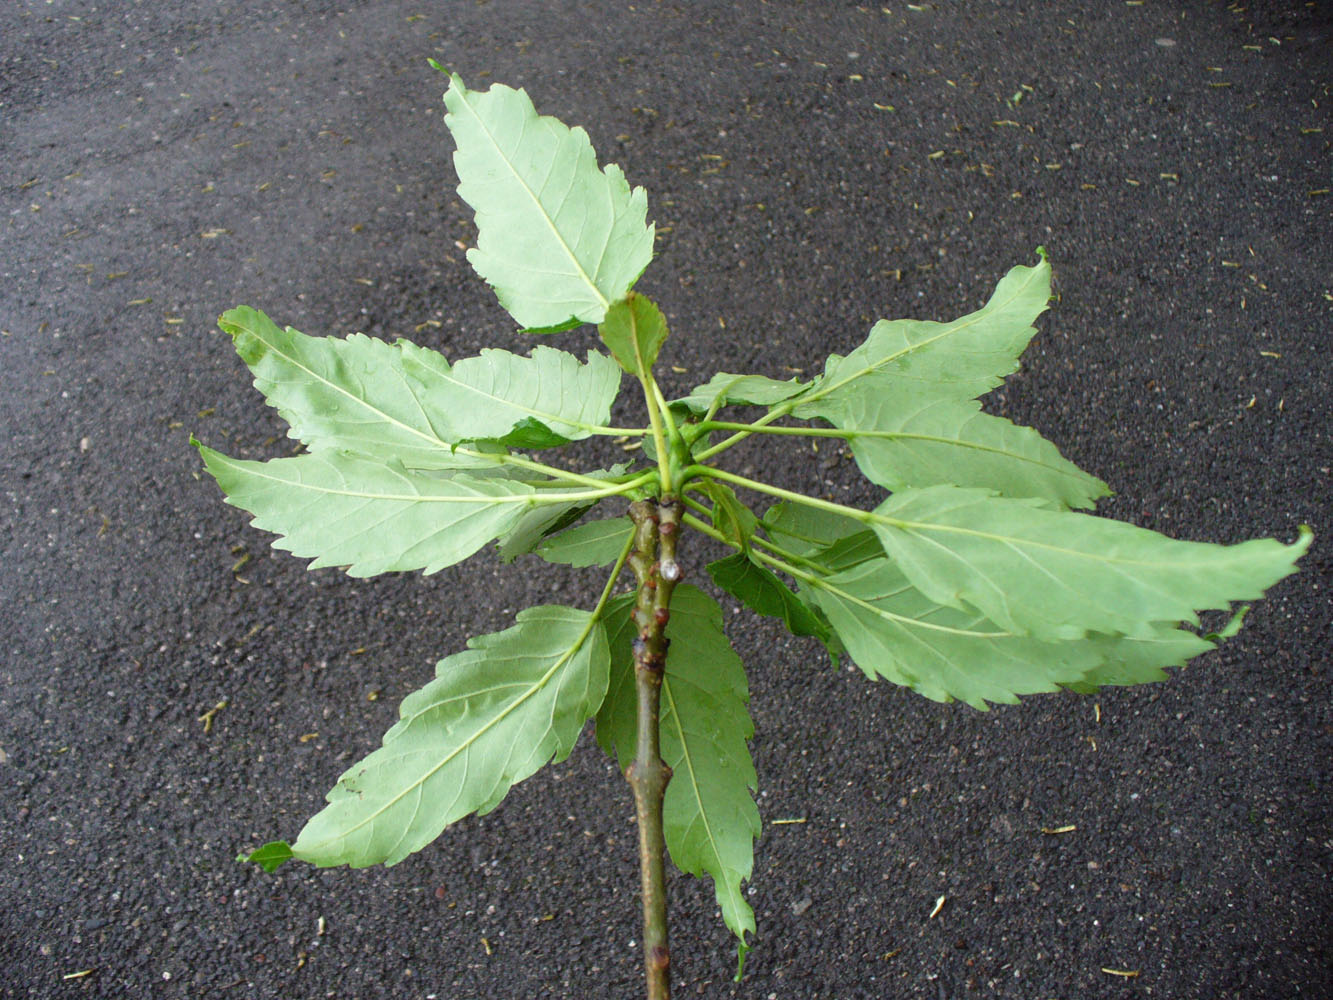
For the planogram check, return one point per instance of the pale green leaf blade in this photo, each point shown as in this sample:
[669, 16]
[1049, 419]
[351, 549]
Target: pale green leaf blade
[749, 390]
[911, 443]
[367, 515]
[344, 394]
[633, 330]
[558, 239]
[802, 529]
[1058, 574]
[495, 714]
[542, 400]
[596, 543]
[549, 518]
[892, 630]
[958, 360]
[710, 818]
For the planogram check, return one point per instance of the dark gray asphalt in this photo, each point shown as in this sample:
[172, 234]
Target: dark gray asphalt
[811, 167]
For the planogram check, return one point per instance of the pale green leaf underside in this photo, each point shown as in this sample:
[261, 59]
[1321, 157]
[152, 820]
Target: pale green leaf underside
[914, 444]
[958, 360]
[710, 819]
[486, 397]
[596, 543]
[344, 394]
[549, 518]
[1058, 574]
[494, 715]
[753, 390]
[368, 515]
[892, 630]
[558, 239]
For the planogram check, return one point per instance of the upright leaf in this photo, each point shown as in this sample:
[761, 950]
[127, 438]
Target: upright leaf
[539, 401]
[958, 360]
[730, 516]
[494, 715]
[709, 816]
[892, 630]
[344, 394]
[1058, 575]
[912, 443]
[633, 330]
[368, 515]
[558, 239]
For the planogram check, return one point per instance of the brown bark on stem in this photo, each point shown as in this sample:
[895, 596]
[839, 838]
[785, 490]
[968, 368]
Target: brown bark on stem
[653, 560]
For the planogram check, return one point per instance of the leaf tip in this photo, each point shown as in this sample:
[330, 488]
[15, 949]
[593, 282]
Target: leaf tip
[1041, 252]
[435, 65]
[1231, 628]
[269, 857]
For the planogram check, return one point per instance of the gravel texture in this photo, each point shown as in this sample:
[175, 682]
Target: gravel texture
[811, 167]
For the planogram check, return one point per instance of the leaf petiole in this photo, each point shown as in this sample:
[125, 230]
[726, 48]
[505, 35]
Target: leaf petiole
[864, 516]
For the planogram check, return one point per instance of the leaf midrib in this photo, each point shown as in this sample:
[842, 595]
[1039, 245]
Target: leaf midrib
[694, 787]
[465, 744]
[541, 209]
[948, 331]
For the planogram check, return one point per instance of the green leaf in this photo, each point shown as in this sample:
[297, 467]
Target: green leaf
[730, 516]
[633, 330]
[549, 518]
[912, 443]
[494, 715]
[271, 856]
[803, 529]
[1056, 574]
[370, 516]
[539, 401]
[750, 390]
[958, 360]
[337, 394]
[596, 543]
[892, 630]
[558, 239]
[709, 816]
[762, 591]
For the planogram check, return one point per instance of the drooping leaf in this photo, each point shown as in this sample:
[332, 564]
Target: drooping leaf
[539, 401]
[558, 239]
[709, 817]
[343, 394]
[958, 360]
[596, 543]
[494, 715]
[368, 515]
[549, 518]
[762, 591]
[892, 630]
[1058, 574]
[911, 443]
[633, 330]
[752, 390]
